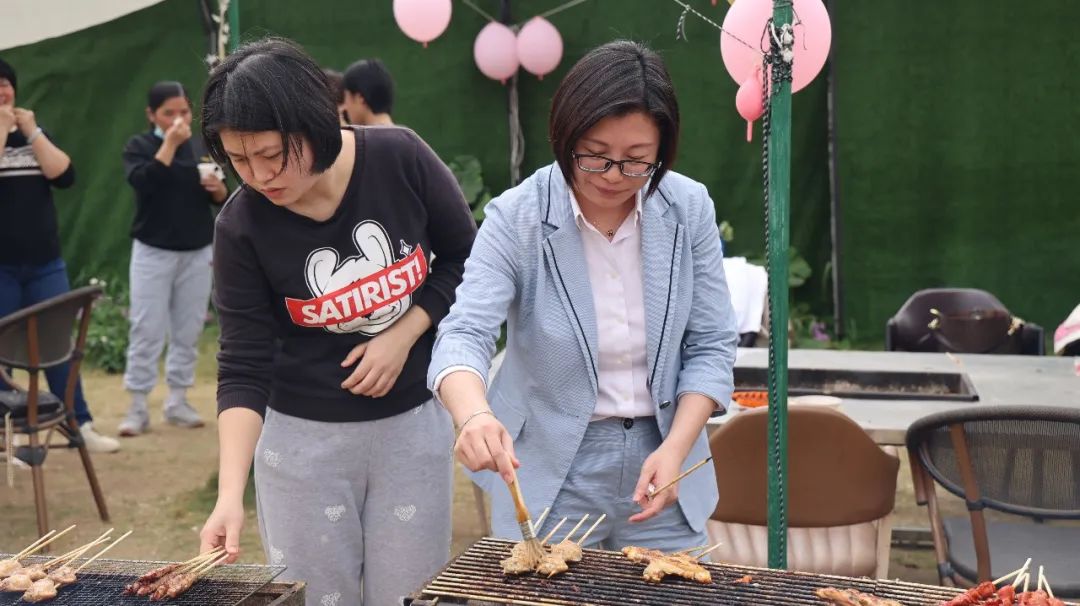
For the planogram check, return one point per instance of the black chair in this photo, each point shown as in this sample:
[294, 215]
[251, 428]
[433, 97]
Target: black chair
[1019, 460]
[966, 320]
[34, 339]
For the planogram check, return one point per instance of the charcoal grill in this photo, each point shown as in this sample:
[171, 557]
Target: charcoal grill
[607, 578]
[102, 582]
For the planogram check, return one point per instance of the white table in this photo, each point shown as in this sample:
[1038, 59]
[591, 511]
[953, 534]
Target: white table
[998, 380]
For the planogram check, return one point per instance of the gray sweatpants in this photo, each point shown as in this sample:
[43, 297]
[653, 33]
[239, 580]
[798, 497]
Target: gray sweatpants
[170, 291]
[359, 511]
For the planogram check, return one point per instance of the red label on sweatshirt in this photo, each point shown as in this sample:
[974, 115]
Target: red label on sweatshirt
[363, 297]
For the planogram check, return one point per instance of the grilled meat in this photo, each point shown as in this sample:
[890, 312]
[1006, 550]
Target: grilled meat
[973, 596]
[36, 572]
[8, 567]
[174, 586]
[17, 582]
[568, 550]
[551, 564]
[516, 565]
[851, 597]
[41, 591]
[65, 575]
[684, 567]
[148, 579]
[640, 555]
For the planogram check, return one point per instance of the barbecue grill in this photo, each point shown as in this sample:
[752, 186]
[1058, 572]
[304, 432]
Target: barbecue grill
[608, 578]
[102, 582]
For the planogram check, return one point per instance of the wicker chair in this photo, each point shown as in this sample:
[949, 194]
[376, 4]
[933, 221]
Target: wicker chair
[33, 339]
[1019, 460]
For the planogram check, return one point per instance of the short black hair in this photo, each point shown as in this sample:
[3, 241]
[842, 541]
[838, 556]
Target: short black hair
[272, 85]
[370, 79]
[162, 91]
[336, 82]
[8, 72]
[615, 79]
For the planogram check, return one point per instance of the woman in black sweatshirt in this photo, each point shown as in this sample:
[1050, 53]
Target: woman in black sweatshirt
[175, 186]
[333, 265]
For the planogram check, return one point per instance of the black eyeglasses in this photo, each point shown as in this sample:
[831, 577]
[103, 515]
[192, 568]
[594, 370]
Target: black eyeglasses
[594, 163]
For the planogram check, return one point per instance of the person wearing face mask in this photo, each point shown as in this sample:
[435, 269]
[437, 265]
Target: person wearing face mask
[607, 267]
[334, 263]
[31, 266]
[175, 186]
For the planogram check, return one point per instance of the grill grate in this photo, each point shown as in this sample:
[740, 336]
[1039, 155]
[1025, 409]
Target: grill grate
[103, 581]
[607, 578]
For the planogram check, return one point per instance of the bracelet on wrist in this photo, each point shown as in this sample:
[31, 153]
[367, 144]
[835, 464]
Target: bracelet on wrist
[33, 135]
[473, 416]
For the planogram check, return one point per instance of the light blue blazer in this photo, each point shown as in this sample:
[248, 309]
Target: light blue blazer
[527, 267]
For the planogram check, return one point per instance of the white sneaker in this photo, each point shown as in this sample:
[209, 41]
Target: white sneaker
[95, 442]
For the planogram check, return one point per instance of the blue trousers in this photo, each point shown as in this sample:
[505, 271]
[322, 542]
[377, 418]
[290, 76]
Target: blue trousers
[602, 479]
[24, 285]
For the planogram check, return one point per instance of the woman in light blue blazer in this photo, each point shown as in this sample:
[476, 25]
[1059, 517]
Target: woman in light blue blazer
[607, 268]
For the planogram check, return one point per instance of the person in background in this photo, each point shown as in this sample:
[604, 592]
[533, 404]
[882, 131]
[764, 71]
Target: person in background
[333, 265]
[607, 267]
[31, 267]
[369, 93]
[337, 92]
[175, 185]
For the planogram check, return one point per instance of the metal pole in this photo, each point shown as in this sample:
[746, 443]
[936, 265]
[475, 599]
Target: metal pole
[777, 245]
[234, 25]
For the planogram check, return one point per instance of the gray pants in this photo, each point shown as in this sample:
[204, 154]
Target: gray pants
[359, 511]
[170, 291]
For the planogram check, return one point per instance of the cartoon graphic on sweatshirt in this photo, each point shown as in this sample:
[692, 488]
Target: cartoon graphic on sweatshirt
[364, 293]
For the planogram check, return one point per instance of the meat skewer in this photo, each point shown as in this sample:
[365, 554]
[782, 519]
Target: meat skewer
[177, 584]
[41, 591]
[660, 564]
[852, 597]
[47, 588]
[12, 565]
[154, 579]
[567, 548]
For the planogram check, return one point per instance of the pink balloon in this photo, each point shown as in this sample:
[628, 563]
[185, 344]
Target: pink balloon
[495, 51]
[750, 103]
[422, 20]
[539, 47]
[747, 18]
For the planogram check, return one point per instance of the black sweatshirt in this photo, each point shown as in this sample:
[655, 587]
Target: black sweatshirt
[29, 234]
[171, 205]
[295, 295]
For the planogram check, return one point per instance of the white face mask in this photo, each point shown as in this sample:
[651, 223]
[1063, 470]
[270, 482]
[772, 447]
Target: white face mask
[160, 134]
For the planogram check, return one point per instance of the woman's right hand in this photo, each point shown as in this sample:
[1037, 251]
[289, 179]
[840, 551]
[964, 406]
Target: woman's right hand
[222, 529]
[485, 444]
[179, 132]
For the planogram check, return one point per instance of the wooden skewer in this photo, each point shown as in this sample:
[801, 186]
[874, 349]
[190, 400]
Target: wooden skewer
[46, 543]
[29, 547]
[553, 531]
[199, 560]
[682, 475]
[708, 551]
[78, 551]
[100, 553]
[1046, 583]
[581, 541]
[540, 520]
[209, 565]
[575, 528]
[1019, 580]
[1014, 573]
[1027, 577]
[692, 549]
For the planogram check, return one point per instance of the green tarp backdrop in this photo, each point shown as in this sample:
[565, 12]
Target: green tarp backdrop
[958, 145]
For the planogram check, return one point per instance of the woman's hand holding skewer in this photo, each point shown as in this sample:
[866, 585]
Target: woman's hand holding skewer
[660, 468]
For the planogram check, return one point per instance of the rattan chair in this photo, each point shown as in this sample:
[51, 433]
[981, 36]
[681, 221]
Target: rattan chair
[1019, 460]
[841, 491]
[34, 339]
